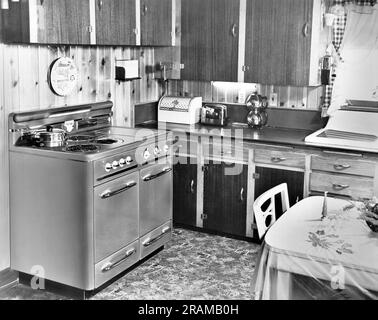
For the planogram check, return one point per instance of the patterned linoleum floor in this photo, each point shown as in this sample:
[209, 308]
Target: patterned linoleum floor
[193, 265]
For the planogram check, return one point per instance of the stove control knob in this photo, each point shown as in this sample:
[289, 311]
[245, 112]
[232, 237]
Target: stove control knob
[146, 154]
[122, 162]
[108, 167]
[166, 148]
[115, 164]
[129, 160]
[157, 151]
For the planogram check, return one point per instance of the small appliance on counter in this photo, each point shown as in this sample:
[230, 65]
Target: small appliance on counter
[257, 104]
[179, 109]
[214, 114]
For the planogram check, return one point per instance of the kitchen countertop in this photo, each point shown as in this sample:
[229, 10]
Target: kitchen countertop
[268, 135]
[279, 136]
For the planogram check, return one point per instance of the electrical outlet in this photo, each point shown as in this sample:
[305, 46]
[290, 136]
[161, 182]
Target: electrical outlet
[241, 96]
[273, 100]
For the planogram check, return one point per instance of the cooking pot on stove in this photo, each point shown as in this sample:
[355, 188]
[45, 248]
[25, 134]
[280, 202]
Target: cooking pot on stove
[48, 137]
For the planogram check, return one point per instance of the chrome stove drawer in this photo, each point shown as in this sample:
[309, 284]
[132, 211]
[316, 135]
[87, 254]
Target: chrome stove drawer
[155, 239]
[116, 263]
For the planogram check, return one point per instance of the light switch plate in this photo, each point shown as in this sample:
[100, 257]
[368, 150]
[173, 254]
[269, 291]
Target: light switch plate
[273, 100]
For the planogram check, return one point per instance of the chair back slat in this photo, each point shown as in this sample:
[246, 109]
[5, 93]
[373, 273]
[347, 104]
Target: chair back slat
[261, 215]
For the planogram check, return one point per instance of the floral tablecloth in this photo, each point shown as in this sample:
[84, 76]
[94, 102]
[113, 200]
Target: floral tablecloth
[306, 257]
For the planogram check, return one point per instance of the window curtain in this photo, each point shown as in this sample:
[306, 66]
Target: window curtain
[357, 70]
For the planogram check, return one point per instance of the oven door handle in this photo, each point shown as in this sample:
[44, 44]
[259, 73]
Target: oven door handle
[150, 177]
[150, 241]
[108, 193]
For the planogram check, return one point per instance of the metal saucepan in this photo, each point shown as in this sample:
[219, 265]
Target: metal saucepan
[48, 137]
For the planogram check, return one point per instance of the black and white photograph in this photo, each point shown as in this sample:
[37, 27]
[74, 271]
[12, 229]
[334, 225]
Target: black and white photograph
[188, 156]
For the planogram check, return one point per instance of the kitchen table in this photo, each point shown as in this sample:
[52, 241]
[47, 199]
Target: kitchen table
[306, 257]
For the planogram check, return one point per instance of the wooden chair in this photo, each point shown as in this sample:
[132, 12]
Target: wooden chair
[262, 216]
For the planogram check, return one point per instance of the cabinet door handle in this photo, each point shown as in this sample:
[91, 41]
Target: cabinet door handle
[341, 167]
[339, 187]
[192, 186]
[109, 266]
[149, 241]
[144, 9]
[108, 193]
[234, 30]
[100, 4]
[306, 27]
[278, 159]
[242, 194]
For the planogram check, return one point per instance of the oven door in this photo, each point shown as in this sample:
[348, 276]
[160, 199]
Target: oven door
[116, 207]
[156, 197]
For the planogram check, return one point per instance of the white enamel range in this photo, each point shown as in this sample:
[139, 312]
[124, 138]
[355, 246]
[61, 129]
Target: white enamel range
[88, 208]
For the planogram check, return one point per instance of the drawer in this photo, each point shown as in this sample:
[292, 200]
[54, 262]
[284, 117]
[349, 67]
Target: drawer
[280, 157]
[346, 185]
[225, 152]
[343, 165]
[118, 262]
[155, 239]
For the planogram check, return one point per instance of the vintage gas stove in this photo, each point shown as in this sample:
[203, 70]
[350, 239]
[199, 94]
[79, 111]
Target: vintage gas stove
[87, 200]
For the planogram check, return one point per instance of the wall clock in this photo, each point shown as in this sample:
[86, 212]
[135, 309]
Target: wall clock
[63, 76]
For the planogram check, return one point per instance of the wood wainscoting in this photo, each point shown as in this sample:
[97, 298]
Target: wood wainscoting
[24, 87]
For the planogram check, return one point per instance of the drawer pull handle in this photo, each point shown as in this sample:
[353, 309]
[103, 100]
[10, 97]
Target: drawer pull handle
[339, 187]
[341, 167]
[226, 152]
[154, 176]
[149, 241]
[278, 159]
[109, 266]
[109, 193]
[192, 186]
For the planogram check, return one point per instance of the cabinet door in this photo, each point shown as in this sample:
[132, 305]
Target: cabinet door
[156, 22]
[115, 22]
[64, 21]
[278, 41]
[267, 178]
[185, 192]
[225, 199]
[209, 39]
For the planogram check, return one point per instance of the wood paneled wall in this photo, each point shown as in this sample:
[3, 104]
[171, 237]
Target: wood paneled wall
[24, 87]
[287, 97]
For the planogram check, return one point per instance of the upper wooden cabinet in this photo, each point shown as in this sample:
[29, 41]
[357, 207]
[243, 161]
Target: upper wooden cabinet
[157, 22]
[102, 22]
[284, 41]
[116, 22]
[209, 39]
[52, 21]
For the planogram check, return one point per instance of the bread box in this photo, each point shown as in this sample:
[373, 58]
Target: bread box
[179, 109]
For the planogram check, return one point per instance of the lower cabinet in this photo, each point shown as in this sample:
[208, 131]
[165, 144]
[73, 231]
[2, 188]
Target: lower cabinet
[184, 191]
[267, 178]
[225, 198]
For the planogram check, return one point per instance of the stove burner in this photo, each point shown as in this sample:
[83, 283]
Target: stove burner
[106, 141]
[82, 148]
[80, 138]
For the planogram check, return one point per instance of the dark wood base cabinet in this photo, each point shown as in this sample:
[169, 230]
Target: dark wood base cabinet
[267, 178]
[184, 192]
[225, 198]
